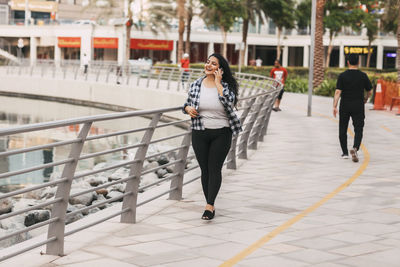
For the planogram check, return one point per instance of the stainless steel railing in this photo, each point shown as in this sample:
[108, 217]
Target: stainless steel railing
[254, 107]
[156, 77]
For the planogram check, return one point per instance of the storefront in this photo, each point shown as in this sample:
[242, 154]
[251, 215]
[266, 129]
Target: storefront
[362, 51]
[232, 55]
[70, 47]
[198, 52]
[39, 12]
[157, 50]
[389, 57]
[105, 49]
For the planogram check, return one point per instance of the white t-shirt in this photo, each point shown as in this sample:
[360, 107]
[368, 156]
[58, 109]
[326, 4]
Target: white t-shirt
[211, 109]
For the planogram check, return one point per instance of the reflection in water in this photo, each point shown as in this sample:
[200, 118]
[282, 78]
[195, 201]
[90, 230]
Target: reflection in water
[16, 111]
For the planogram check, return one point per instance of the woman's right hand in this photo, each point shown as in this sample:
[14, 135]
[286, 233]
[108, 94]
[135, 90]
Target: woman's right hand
[191, 111]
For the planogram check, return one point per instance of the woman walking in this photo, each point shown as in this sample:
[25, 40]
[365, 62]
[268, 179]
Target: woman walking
[210, 104]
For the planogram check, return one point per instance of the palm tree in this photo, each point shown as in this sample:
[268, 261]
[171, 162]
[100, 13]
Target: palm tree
[282, 13]
[319, 46]
[389, 19]
[181, 28]
[251, 9]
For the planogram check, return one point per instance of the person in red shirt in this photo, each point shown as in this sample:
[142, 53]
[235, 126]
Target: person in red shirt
[279, 73]
[185, 68]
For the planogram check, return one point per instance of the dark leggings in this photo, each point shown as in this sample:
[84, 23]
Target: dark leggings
[356, 112]
[211, 147]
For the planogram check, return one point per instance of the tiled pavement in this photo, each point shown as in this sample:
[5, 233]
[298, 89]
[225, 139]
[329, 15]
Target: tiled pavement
[296, 166]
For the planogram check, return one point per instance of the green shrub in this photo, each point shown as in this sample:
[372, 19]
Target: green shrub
[296, 85]
[326, 88]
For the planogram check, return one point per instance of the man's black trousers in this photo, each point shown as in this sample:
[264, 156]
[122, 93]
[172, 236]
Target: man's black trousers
[355, 110]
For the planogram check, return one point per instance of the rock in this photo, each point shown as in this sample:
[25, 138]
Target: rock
[119, 174]
[85, 199]
[162, 160]
[12, 240]
[23, 203]
[71, 208]
[118, 187]
[102, 191]
[94, 210]
[161, 173]
[80, 206]
[96, 181]
[6, 205]
[150, 165]
[13, 223]
[73, 218]
[148, 179]
[113, 194]
[36, 216]
[48, 192]
[101, 199]
[170, 169]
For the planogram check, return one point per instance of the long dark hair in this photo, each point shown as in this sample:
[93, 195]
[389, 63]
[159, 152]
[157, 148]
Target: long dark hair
[227, 75]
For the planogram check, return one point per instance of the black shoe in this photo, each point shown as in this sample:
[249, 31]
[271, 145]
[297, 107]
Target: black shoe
[275, 109]
[345, 156]
[208, 215]
[354, 155]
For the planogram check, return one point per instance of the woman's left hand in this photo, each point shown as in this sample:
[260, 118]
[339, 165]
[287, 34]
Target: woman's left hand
[218, 75]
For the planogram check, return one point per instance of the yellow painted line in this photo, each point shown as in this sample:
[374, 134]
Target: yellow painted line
[262, 241]
[386, 128]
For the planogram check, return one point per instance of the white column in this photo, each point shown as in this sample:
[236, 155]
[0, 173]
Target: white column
[379, 57]
[173, 52]
[33, 50]
[342, 62]
[210, 48]
[86, 45]
[306, 55]
[285, 56]
[121, 45]
[57, 54]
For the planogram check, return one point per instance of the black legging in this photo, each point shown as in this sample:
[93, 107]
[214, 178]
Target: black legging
[211, 147]
[355, 110]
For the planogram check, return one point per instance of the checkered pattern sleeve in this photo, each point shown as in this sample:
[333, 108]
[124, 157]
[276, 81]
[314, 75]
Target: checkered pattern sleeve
[228, 97]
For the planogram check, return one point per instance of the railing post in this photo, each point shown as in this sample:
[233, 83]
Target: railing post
[132, 185]
[268, 116]
[149, 76]
[159, 78]
[179, 169]
[257, 129]
[231, 158]
[249, 126]
[57, 228]
[171, 73]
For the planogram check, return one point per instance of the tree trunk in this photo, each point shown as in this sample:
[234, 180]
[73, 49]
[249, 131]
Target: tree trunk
[330, 47]
[369, 53]
[225, 46]
[181, 28]
[398, 50]
[244, 40]
[189, 18]
[319, 46]
[128, 37]
[278, 47]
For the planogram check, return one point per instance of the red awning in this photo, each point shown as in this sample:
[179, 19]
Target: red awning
[147, 44]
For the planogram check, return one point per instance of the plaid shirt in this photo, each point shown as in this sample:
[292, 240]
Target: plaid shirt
[226, 100]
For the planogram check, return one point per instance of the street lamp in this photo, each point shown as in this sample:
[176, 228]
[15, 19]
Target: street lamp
[311, 65]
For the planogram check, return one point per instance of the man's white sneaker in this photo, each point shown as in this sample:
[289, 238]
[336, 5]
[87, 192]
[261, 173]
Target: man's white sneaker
[345, 156]
[354, 155]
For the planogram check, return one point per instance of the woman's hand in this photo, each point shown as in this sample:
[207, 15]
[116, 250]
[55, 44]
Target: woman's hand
[218, 76]
[191, 111]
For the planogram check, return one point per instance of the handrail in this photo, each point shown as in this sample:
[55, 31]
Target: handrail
[254, 108]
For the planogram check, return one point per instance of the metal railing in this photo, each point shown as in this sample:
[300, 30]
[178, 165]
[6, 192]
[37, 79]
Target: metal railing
[156, 77]
[254, 108]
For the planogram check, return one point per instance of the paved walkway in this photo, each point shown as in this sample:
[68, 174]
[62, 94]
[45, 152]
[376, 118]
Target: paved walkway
[295, 203]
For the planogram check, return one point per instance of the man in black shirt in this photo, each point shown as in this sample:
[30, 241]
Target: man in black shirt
[350, 88]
